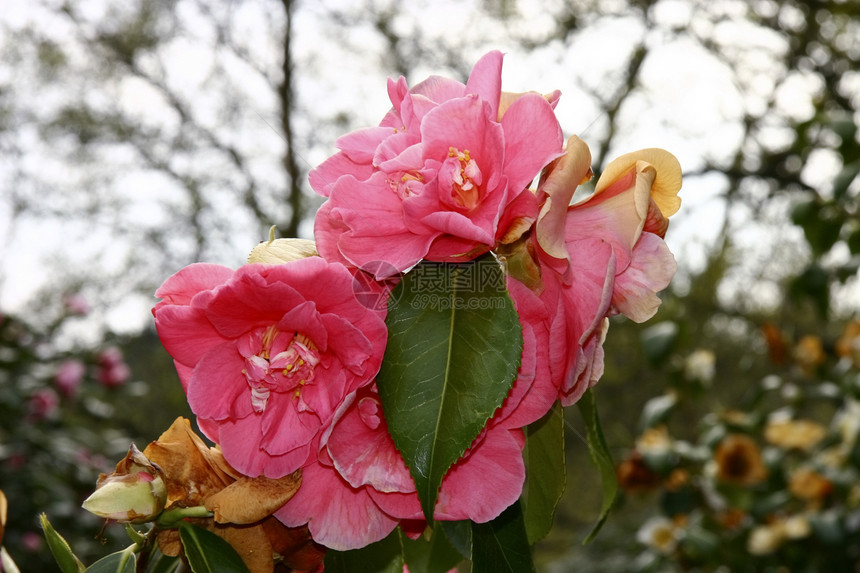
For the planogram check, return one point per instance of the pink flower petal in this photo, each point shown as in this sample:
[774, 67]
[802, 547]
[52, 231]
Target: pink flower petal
[650, 271]
[339, 516]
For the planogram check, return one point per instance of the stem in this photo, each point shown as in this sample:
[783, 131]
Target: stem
[170, 519]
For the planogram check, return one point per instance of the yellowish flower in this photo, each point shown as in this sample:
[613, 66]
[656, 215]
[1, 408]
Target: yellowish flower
[848, 345]
[654, 440]
[738, 460]
[809, 353]
[766, 539]
[700, 366]
[809, 485]
[794, 434]
[659, 533]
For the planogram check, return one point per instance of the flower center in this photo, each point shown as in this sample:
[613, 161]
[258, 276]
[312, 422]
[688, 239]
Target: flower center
[465, 178]
[283, 362]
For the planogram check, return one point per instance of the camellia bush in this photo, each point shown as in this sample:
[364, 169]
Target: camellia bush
[390, 395]
[768, 482]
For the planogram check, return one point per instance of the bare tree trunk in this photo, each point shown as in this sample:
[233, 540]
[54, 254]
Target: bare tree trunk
[291, 166]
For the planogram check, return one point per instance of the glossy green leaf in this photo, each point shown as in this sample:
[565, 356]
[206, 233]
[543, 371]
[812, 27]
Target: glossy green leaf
[431, 553]
[545, 471]
[385, 556]
[62, 552]
[459, 533]
[454, 347]
[601, 457]
[124, 561]
[161, 563]
[502, 545]
[208, 553]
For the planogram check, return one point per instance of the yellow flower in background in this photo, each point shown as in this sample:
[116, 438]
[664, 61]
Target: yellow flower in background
[660, 533]
[700, 366]
[654, 440]
[848, 345]
[766, 539]
[794, 434]
[738, 461]
[809, 353]
[809, 485]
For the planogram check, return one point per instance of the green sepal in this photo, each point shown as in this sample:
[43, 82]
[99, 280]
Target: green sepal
[60, 548]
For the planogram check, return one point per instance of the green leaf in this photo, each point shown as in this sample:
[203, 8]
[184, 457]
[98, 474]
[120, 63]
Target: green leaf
[385, 556]
[124, 561]
[433, 553]
[63, 554]
[161, 563]
[545, 471]
[502, 545]
[459, 533]
[454, 346]
[601, 457]
[658, 341]
[656, 410]
[208, 553]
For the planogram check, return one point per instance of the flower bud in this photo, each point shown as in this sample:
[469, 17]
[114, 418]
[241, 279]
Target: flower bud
[134, 493]
[277, 251]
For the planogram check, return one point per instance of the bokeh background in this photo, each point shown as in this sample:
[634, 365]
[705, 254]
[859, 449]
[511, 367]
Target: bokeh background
[138, 137]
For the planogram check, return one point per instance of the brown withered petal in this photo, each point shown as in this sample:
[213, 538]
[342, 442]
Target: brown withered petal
[190, 475]
[294, 544]
[251, 543]
[249, 500]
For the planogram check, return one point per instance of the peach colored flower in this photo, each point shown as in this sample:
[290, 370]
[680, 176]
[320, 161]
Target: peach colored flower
[601, 256]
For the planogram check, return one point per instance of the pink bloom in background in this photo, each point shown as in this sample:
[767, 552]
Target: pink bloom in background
[267, 353]
[76, 304]
[113, 371]
[443, 178]
[42, 405]
[68, 377]
[603, 255]
[32, 542]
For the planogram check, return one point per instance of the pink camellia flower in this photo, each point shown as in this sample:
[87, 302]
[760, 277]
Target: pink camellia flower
[42, 405]
[113, 371]
[603, 255]
[444, 177]
[267, 353]
[76, 304]
[68, 377]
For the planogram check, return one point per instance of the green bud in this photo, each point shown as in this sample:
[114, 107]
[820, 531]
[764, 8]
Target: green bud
[134, 493]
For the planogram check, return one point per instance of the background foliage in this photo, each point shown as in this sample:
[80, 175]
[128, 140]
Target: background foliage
[139, 137]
